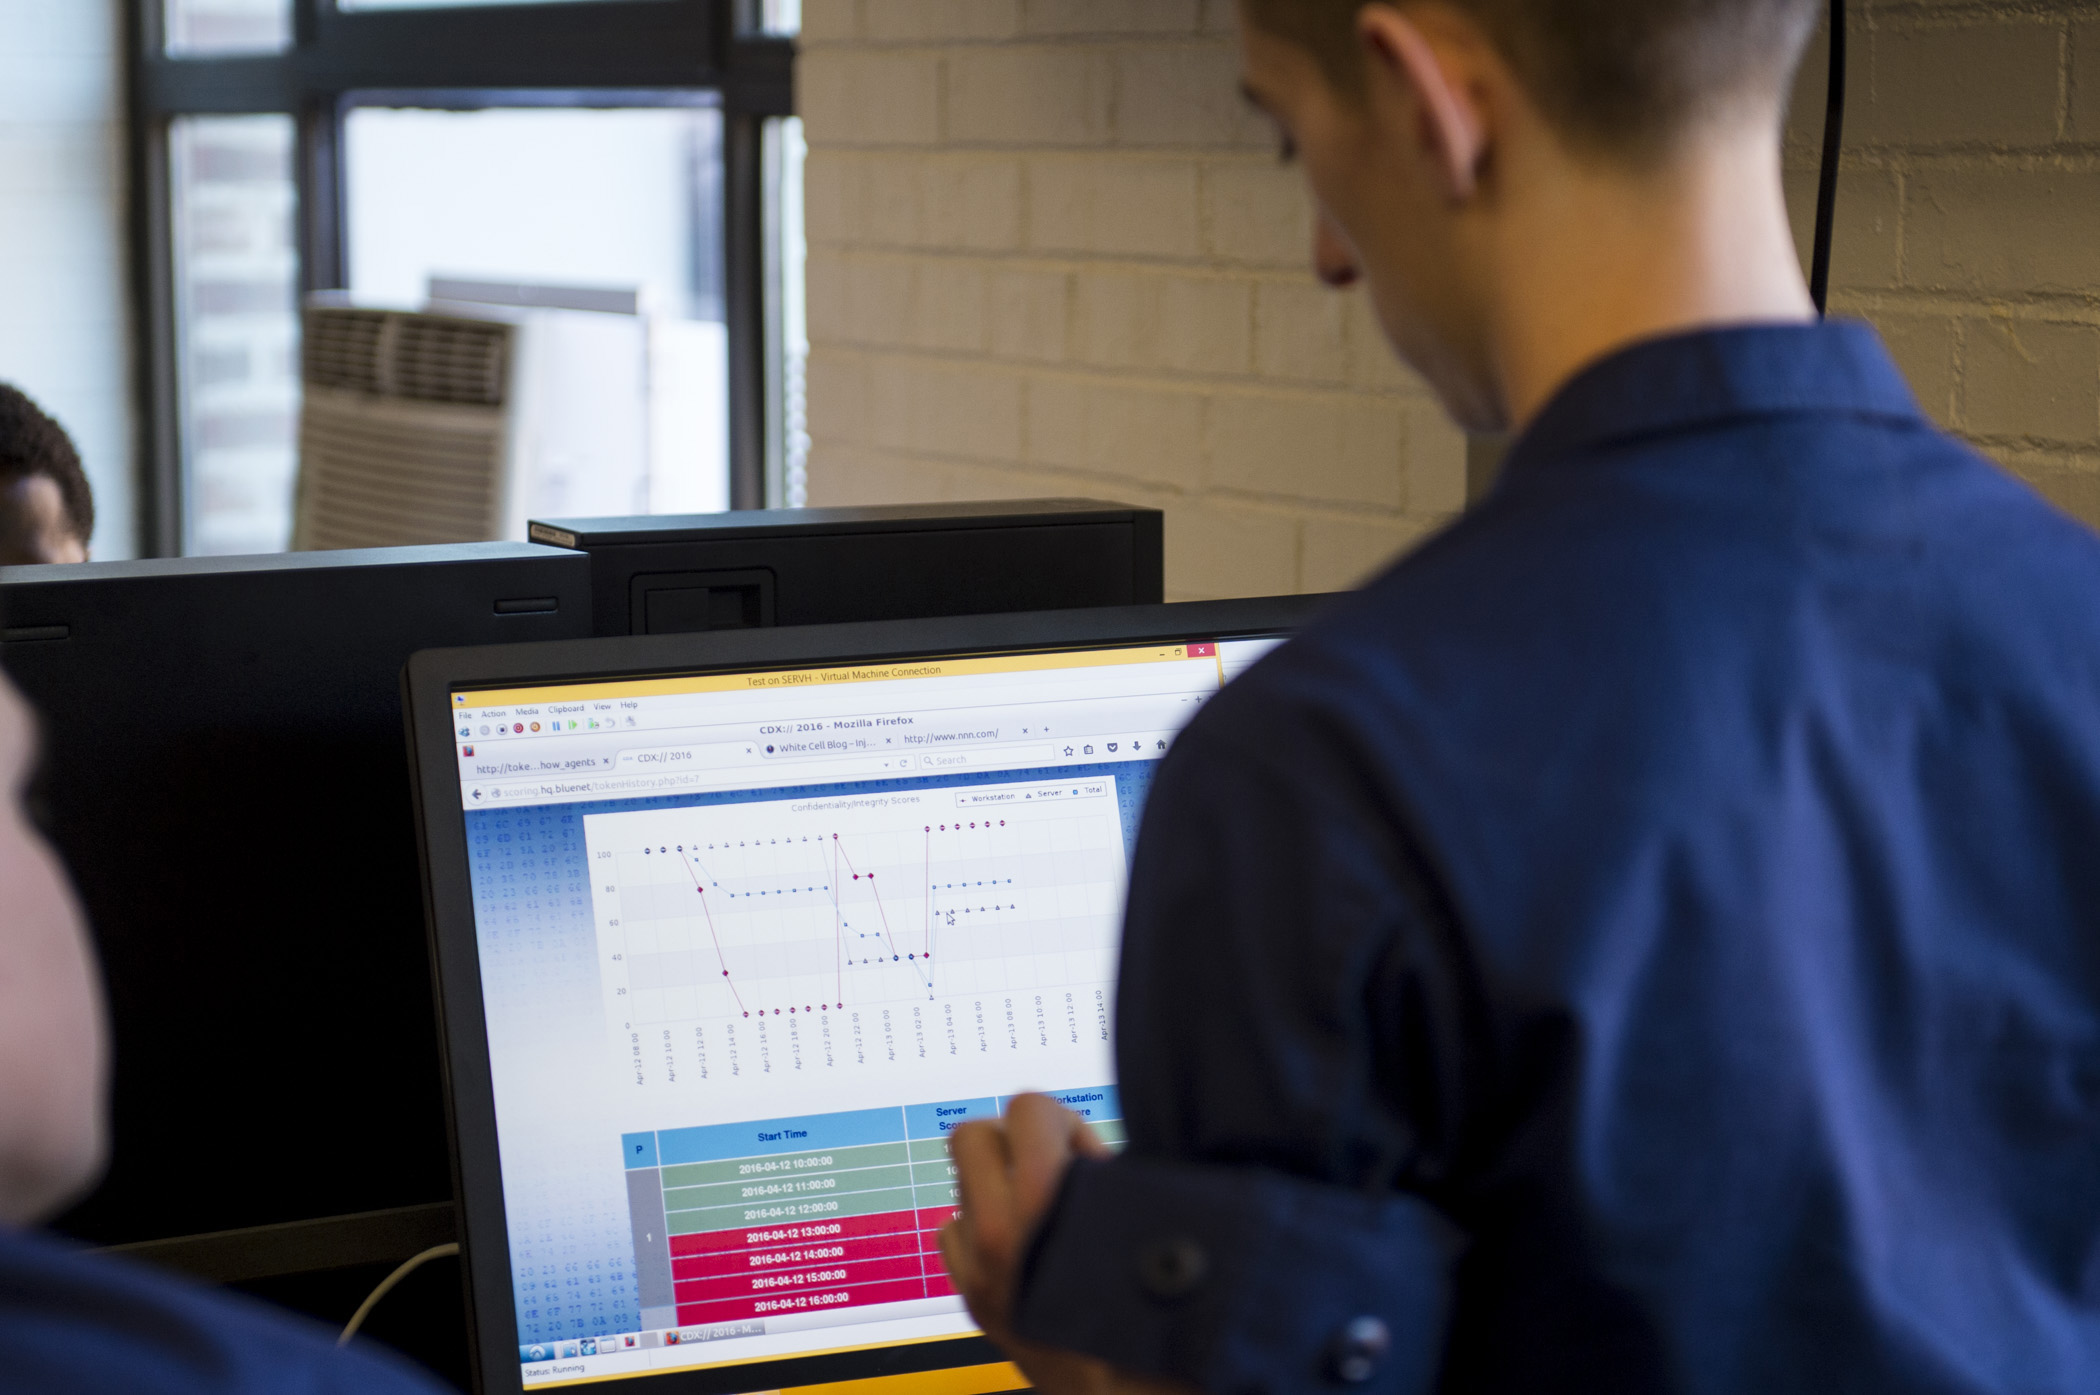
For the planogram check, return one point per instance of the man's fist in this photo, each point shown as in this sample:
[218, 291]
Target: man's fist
[1008, 1174]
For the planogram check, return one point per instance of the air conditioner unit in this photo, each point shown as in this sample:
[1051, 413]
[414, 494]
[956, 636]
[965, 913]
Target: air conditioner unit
[462, 422]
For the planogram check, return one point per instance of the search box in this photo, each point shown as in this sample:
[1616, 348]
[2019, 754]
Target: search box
[987, 758]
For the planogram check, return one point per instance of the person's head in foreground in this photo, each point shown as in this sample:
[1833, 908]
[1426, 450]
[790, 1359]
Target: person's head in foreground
[47, 510]
[52, 1042]
[74, 1322]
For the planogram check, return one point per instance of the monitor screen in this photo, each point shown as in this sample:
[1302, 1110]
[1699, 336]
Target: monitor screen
[753, 943]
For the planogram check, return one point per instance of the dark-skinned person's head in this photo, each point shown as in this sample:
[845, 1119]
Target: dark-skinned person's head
[1460, 151]
[47, 509]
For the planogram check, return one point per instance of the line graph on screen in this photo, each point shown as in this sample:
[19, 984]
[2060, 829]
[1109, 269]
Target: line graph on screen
[788, 919]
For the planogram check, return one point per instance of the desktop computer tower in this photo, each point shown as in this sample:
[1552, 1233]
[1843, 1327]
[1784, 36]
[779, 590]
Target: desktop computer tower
[733, 571]
[223, 772]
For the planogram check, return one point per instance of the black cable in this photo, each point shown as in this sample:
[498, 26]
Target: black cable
[1833, 143]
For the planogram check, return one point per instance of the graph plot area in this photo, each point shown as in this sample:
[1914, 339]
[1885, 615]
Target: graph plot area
[820, 934]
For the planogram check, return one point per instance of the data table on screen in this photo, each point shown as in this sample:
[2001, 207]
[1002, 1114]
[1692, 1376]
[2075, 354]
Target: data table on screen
[793, 1216]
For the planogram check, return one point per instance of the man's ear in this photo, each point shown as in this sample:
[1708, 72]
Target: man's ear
[1449, 123]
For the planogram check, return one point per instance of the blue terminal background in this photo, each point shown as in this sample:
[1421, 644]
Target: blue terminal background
[571, 1249]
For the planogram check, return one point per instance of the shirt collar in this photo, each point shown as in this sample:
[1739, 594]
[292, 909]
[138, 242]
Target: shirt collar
[1709, 376]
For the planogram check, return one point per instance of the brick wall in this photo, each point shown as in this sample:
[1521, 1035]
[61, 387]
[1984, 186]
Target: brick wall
[1969, 219]
[1051, 253]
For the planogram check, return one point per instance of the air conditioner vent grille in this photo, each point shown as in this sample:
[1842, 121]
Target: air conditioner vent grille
[438, 360]
[416, 358]
[375, 473]
[343, 349]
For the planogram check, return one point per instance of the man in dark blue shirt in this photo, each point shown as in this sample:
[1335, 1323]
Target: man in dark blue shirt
[73, 1323]
[1650, 939]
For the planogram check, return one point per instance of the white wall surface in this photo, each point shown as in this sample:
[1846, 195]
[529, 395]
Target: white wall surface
[64, 318]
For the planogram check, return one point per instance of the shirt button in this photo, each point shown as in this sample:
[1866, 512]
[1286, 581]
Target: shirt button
[1354, 1352]
[1172, 1268]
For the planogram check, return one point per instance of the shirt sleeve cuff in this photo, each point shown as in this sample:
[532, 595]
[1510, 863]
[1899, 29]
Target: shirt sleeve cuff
[1241, 1279]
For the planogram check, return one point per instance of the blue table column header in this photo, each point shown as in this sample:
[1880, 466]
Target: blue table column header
[939, 1120]
[1093, 1105]
[763, 1137]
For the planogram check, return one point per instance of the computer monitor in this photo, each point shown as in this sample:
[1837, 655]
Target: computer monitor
[223, 773]
[731, 931]
[746, 570]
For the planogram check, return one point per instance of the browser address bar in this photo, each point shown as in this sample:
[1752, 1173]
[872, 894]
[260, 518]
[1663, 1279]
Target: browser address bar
[694, 779]
[800, 772]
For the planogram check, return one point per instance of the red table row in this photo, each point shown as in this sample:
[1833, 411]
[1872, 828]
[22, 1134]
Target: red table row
[837, 1275]
[857, 1296]
[813, 1252]
[899, 1260]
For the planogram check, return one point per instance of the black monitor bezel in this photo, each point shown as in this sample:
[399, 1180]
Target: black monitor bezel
[430, 680]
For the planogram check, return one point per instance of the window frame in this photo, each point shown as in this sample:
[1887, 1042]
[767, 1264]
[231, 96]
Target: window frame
[575, 53]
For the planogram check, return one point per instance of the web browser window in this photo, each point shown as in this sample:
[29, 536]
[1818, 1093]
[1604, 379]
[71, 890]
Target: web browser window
[754, 944]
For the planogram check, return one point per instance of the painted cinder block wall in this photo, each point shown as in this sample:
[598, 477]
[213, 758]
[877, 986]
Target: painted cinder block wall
[1052, 253]
[1969, 220]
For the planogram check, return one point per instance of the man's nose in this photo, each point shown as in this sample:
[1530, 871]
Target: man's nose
[1334, 261]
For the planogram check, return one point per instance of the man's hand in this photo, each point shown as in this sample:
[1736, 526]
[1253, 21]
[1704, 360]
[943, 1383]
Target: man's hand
[1008, 1173]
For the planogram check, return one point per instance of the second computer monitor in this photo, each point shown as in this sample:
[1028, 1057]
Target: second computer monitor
[222, 772]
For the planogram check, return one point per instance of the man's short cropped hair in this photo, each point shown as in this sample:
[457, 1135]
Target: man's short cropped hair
[1622, 77]
[32, 445]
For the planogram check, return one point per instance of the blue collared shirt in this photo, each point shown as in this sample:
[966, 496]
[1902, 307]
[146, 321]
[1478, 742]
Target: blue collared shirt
[1649, 940]
[75, 1323]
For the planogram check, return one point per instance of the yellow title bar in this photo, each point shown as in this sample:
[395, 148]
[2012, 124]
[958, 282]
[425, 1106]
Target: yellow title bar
[787, 679]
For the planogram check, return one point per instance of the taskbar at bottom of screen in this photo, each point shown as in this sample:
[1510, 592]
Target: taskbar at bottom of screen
[778, 1337]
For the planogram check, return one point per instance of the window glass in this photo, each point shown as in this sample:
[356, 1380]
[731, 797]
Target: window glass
[621, 200]
[787, 318]
[201, 28]
[236, 284]
[780, 16]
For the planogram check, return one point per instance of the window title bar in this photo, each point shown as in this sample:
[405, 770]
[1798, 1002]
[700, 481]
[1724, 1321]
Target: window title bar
[786, 679]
